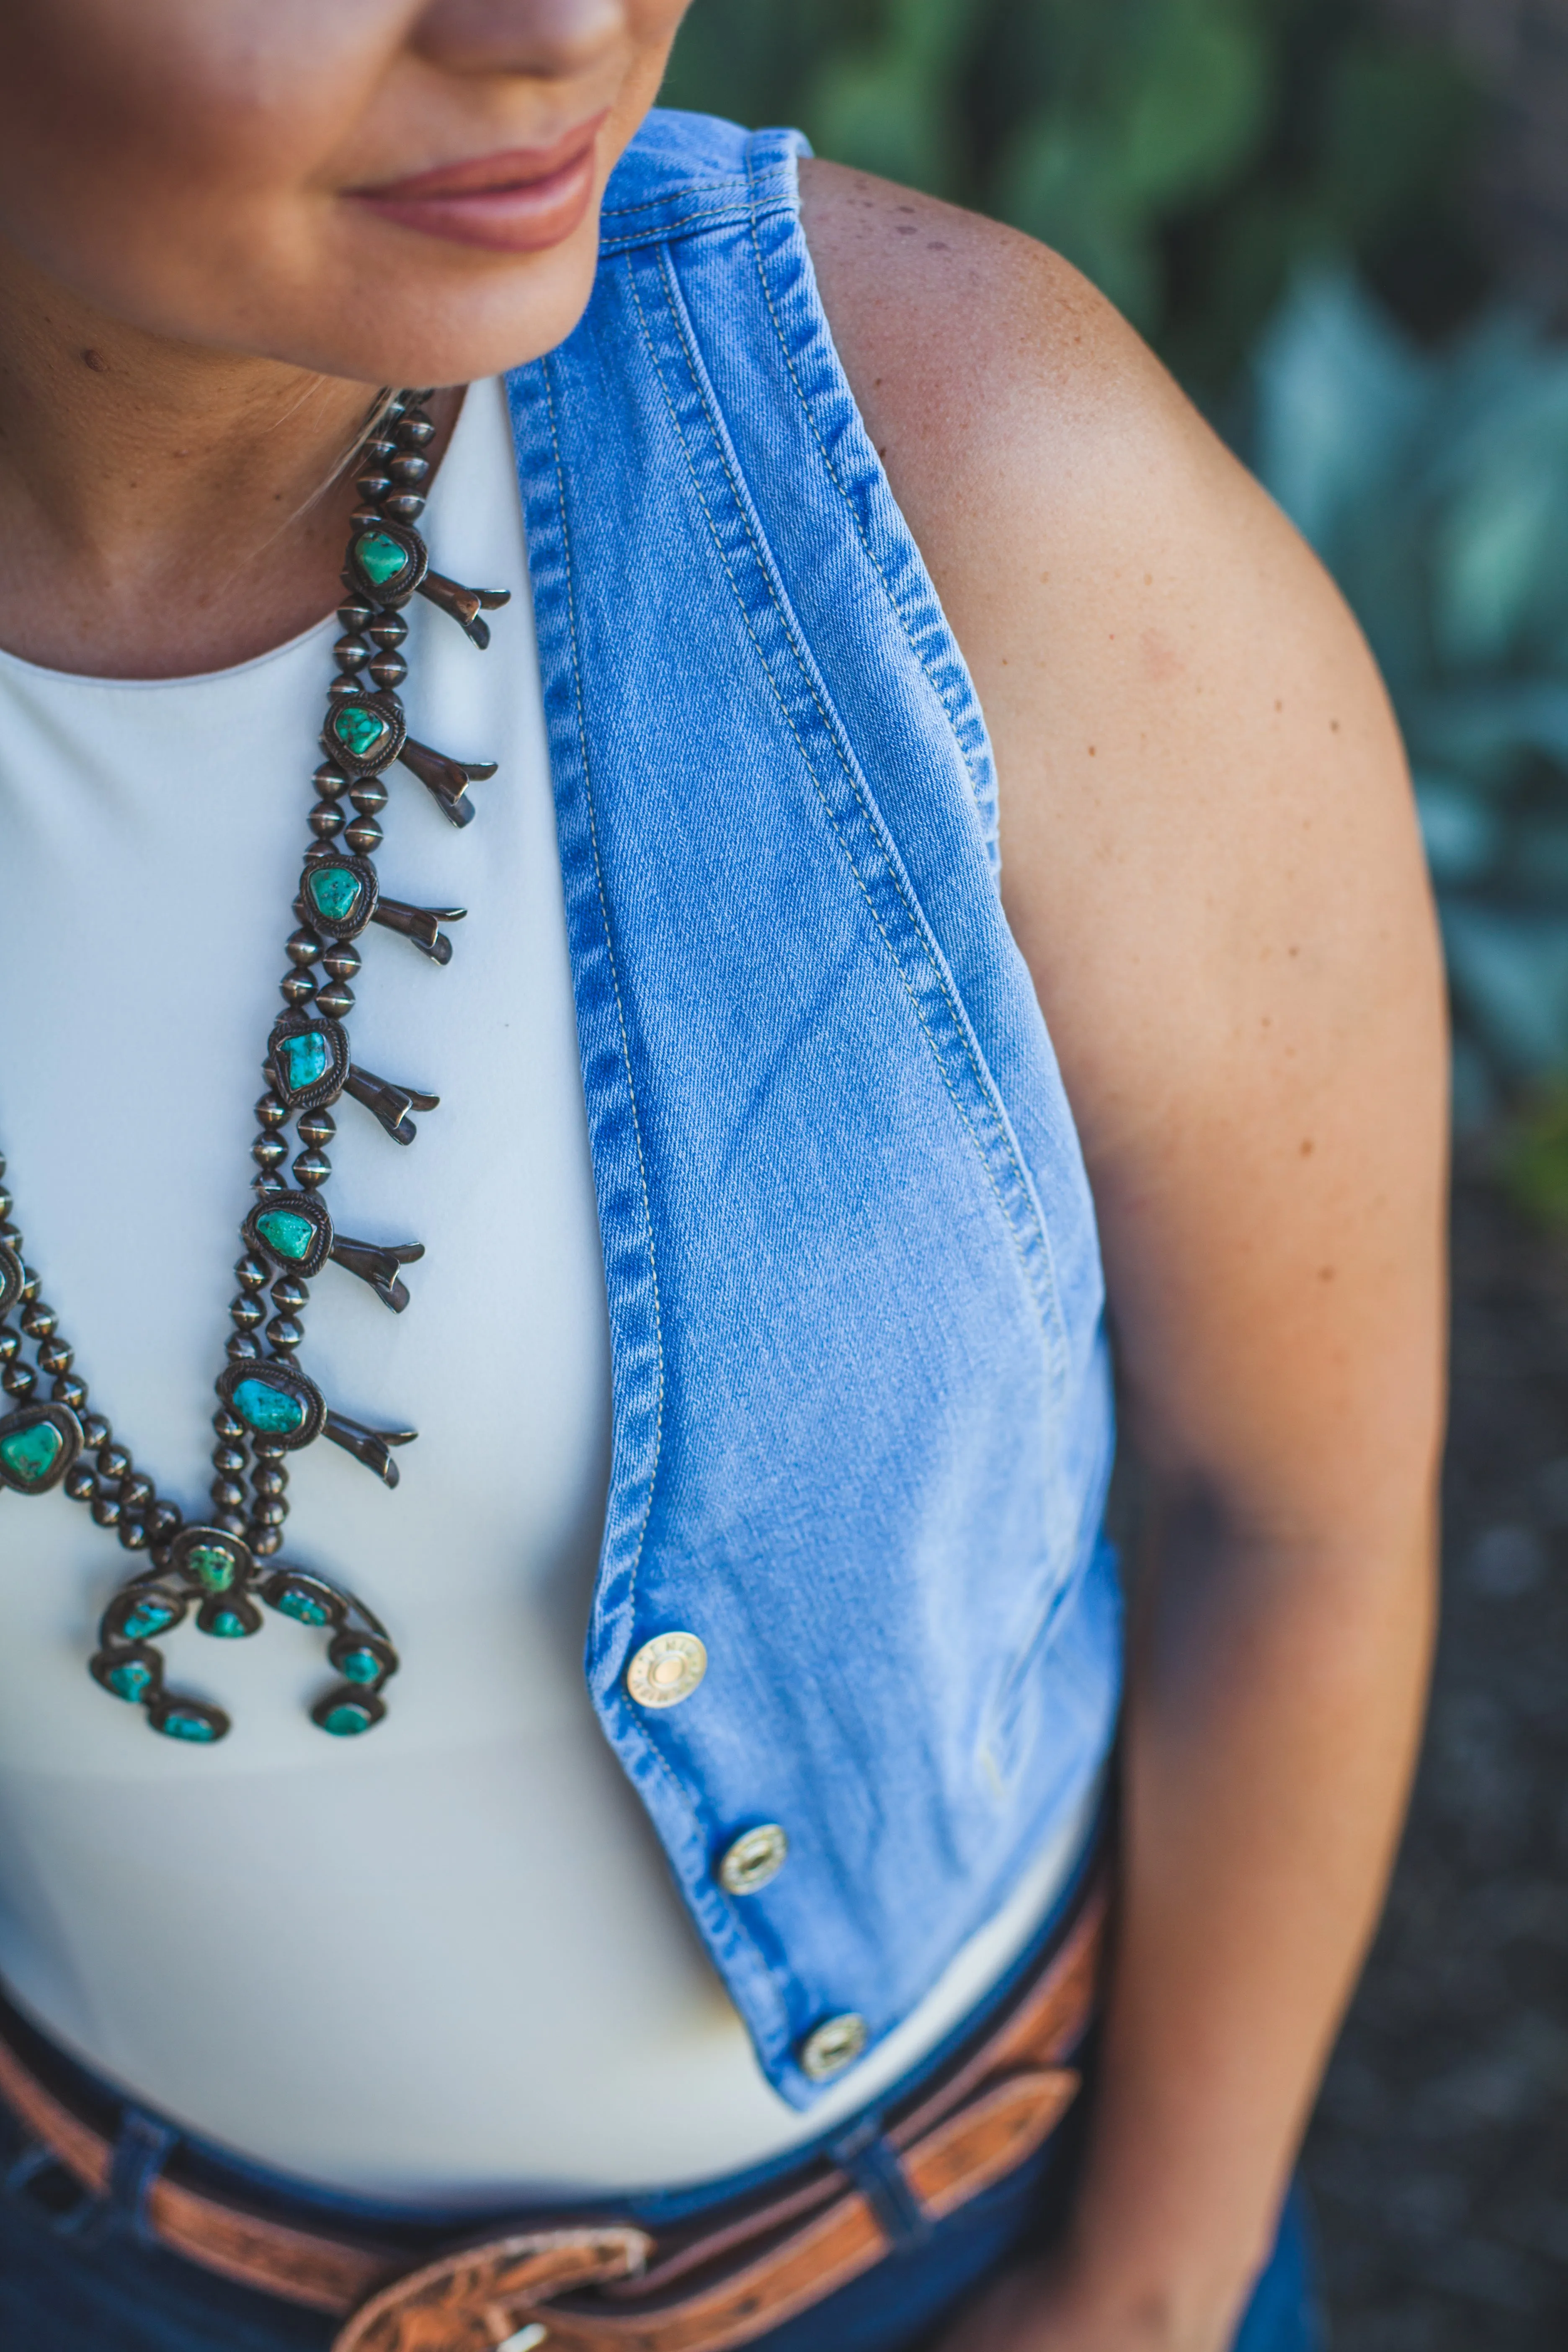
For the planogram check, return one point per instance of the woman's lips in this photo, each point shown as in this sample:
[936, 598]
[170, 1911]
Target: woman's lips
[522, 201]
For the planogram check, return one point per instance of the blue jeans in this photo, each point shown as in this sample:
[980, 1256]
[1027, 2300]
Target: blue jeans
[71, 2285]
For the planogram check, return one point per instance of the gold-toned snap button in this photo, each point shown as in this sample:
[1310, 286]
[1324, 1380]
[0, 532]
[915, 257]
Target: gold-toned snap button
[667, 1670]
[831, 2046]
[757, 1857]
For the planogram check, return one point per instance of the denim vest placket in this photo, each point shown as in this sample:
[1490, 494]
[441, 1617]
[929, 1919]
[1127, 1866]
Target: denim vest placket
[862, 1418]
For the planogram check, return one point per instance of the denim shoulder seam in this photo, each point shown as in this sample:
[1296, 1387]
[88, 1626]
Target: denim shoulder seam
[1037, 1280]
[948, 693]
[735, 210]
[779, 147]
[734, 185]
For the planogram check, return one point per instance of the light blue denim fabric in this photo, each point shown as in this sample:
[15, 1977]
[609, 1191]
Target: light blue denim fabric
[862, 1410]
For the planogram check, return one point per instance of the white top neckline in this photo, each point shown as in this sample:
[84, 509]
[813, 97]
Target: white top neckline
[319, 633]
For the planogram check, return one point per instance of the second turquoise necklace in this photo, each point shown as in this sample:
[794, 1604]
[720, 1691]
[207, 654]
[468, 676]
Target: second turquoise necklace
[222, 1566]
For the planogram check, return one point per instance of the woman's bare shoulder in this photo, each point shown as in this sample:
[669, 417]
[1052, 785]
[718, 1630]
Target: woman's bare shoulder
[1209, 853]
[1101, 554]
[944, 319]
[1175, 692]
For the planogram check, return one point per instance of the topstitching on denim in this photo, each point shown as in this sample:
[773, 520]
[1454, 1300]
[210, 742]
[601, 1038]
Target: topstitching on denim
[955, 692]
[728, 1931]
[1034, 1256]
[636, 461]
[708, 204]
[771, 189]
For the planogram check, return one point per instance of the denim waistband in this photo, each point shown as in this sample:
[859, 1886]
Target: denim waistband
[147, 2142]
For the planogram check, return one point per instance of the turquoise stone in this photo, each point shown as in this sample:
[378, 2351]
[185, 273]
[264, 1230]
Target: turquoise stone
[335, 892]
[148, 1617]
[132, 1680]
[180, 1724]
[306, 1057]
[274, 1412]
[214, 1565]
[287, 1231]
[359, 729]
[305, 1607]
[345, 1720]
[227, 1624]
[359, 1666]
[379, 557]
[31, 1454]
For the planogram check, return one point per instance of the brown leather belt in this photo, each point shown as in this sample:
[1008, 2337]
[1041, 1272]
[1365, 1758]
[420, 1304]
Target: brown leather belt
[611, 2287]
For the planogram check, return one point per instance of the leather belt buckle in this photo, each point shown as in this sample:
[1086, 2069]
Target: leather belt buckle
[482, 2297]
[598, 2287]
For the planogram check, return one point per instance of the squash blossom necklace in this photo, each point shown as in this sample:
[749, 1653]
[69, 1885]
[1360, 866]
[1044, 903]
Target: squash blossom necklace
[267, 1407]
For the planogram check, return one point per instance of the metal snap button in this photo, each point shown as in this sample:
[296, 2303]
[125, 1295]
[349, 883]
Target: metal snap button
[667, 1670]
[757, 1857]
[831, 2046]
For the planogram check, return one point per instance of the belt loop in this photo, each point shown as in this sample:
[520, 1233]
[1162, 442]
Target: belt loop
[33, 2160]
[140, 2151]
[38, 2163]
[873, 2165]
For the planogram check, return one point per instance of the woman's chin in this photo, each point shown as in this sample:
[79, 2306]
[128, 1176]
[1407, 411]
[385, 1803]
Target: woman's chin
[394, 308]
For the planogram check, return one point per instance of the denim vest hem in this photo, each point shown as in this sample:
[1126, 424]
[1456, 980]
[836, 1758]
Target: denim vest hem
[862, 1423]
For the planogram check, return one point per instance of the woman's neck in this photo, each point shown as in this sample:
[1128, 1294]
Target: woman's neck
[164, 510]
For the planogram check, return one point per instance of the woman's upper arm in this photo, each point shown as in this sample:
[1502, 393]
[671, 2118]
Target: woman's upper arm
[1210, 862]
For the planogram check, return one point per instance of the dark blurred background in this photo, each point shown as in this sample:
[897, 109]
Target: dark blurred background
[1344, 225]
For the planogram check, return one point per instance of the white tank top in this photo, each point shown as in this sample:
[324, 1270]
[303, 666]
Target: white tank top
[444, 1961]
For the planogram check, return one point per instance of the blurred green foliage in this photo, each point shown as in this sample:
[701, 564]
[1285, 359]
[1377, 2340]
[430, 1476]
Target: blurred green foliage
[1435, 484]
[1190, 155]
[1534, 1157]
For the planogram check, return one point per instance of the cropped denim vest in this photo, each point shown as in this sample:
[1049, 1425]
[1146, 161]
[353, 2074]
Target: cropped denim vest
[862, 1417]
